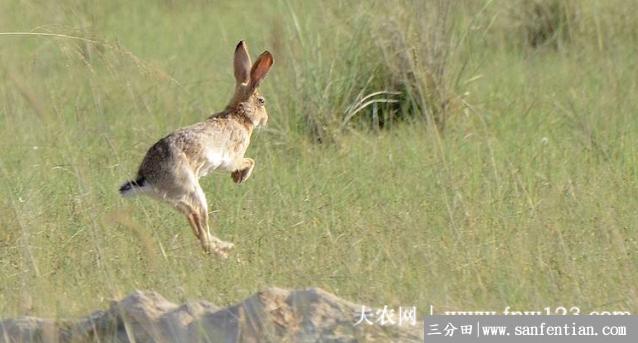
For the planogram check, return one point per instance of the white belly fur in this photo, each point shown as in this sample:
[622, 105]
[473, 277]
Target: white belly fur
[216, 160]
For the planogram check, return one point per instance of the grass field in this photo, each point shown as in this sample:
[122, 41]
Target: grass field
[527, 197]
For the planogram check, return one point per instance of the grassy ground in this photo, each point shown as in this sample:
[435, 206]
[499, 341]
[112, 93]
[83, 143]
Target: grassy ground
[526, 199]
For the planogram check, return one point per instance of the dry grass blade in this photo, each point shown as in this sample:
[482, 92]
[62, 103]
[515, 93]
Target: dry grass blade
[115, 47]
[366, 101]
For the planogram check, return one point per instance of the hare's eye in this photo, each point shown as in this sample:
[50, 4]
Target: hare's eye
[261, 100]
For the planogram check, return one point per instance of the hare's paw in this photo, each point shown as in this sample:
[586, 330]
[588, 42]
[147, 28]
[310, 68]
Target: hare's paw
[224, 248]
[216, 246]
[242, 174]
[237, 176]
[214, 249]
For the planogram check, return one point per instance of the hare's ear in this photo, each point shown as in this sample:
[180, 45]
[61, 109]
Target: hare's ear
[241, 63]
[260, 69]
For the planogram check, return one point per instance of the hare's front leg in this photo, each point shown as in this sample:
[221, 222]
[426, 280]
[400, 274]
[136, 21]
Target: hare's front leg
[243, 172]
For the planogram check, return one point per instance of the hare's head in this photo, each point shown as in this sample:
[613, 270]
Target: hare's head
[248, 77]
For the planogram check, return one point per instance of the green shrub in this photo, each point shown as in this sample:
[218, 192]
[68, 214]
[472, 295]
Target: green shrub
[379, 64]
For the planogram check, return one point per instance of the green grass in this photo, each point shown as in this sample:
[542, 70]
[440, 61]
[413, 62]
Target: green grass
[527, 199]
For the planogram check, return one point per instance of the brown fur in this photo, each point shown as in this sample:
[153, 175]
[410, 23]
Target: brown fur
[172, 167]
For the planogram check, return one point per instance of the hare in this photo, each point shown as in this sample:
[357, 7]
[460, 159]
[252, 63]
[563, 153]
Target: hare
[172, 167]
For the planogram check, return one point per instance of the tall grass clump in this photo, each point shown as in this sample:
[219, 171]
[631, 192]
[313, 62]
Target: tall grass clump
[380, 64]
[560, 25]
[425, 57]
[544, 23]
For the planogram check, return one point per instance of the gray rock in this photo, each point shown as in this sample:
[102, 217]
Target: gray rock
[272, 315]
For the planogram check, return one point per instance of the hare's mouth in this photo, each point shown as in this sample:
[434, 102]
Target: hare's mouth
[262, 123]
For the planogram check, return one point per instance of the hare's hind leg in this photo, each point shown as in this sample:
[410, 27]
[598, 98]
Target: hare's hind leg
[209, 242]
[198, 224]
[195, 210]
[190, 214]
[244, 171]
[181, 188]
